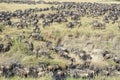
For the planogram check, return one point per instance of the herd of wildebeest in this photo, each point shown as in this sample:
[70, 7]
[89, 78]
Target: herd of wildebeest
[69, 13]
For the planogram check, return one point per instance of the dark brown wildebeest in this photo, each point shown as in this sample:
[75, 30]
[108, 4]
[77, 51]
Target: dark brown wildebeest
[98, 25]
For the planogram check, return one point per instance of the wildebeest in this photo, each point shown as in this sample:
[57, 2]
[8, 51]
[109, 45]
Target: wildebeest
[36, 36]
[116, 59]
[0, 30]
[30, 45]
[98, 25]
[5, 47]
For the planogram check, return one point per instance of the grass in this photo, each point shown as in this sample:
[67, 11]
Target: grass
[19, 46]
[52, 33]
[19, 78]
[83, 0]
[14, 6]
[1, 26]
[56, 30]
[50, 78]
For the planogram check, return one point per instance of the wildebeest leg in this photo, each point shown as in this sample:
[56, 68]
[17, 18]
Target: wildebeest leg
[29, 36]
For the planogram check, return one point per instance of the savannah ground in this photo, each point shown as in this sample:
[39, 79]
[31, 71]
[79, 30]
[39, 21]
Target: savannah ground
[86, 32]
